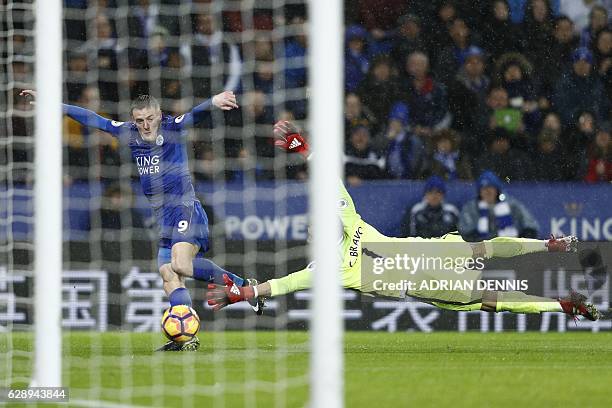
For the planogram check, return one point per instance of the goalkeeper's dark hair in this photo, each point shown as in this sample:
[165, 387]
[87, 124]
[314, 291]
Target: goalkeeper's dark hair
[144, 101]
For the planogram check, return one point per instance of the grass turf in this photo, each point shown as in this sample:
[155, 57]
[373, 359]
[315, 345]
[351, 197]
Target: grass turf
[269, 369]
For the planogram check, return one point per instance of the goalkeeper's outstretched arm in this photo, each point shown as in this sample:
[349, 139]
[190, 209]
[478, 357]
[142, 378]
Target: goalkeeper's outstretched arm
[221, 296]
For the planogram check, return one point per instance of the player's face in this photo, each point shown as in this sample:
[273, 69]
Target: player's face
[147, 121]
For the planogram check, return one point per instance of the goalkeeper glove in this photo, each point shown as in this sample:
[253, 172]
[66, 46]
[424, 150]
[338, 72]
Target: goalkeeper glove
[287, 137]
[221, 296]
[562, 244]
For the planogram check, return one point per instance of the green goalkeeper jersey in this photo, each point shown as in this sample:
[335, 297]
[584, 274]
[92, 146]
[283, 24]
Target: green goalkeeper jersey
[360, 242]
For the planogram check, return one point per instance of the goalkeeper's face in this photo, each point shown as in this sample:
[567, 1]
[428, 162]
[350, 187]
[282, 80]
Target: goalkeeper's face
[147, 121]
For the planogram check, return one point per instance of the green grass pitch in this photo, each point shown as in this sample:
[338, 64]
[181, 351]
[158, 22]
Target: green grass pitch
[269, 369]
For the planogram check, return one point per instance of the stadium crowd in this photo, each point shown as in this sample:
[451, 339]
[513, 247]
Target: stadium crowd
[433, 87]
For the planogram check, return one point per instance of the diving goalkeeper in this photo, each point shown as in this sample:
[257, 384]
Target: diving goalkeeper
[360, 241]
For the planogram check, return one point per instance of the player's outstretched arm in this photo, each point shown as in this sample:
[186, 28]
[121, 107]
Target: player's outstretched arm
[221, 296]
[225, 101]
[84, 116]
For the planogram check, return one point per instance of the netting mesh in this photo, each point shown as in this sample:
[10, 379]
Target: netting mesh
[182, 53]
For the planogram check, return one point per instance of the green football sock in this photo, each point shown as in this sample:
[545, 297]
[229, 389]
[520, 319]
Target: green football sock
[519, 302]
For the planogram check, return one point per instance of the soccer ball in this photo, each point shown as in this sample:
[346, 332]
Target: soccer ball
[180, 323]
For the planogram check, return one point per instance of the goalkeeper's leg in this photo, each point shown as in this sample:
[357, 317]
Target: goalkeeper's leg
[519, 302]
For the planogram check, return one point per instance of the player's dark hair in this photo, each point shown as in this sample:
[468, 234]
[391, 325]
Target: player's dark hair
[144, 101]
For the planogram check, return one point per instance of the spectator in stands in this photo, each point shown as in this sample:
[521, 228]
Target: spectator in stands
[204, 168]
[405, 151]
[579, 11]
[107, 52]
[451, 58]
[559, 60]
[379, 90]
[362, 162]
[295, 55]
[142, 19]
[356, 58]
[263, 77]
[514, 75]
[580, 90]
[407, 38]
[263, 49]
[494, 214]
[467, 93]
[576, 141]
[502, 35]
[437, 35]
[498, 113]
[425, 96]
[259, 112]
[598, 21]
[548, 159]
[603, 58]
[159, 51]
[504, 160]
[379, 16]
[76, 74]
[355, 114]
[552, 123]
[432, 217]
[208, 48]
[295, 65]
[446, 160]
[599, 166]
[538, 31]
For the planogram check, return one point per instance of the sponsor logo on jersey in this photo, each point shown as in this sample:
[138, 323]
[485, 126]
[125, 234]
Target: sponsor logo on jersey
[160, 140]
[147, 164]
[234, 289]
[179, 119]
[116, 124]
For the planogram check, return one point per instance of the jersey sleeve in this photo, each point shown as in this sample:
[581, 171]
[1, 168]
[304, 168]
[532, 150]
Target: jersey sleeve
[194, 116]
[293, 282]
[91, 119]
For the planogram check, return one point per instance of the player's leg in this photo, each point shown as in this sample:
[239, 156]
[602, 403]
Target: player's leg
[519, 302]
[174, 286]
[185, 263]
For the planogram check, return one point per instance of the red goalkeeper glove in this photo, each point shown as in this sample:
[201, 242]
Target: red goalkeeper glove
[562, 244]
[221, 296]
[287, 137]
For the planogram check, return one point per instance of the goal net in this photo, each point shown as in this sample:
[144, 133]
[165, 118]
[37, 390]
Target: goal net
[181, 52]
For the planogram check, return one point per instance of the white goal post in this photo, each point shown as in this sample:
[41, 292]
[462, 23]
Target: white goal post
[48, 195]
[326, 32]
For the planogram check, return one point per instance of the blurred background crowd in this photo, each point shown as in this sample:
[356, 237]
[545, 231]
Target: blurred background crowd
[433, 87]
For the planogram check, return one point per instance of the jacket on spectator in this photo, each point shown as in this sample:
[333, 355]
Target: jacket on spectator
[430, 221]
[574, 93]
[428, 105]
[361, 159]
[405, 151]
[507, 217]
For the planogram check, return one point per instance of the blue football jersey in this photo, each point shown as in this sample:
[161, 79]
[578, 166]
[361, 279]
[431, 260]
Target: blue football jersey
[162, 165]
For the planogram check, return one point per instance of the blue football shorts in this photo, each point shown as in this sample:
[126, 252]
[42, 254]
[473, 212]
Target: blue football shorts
[187, 222]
